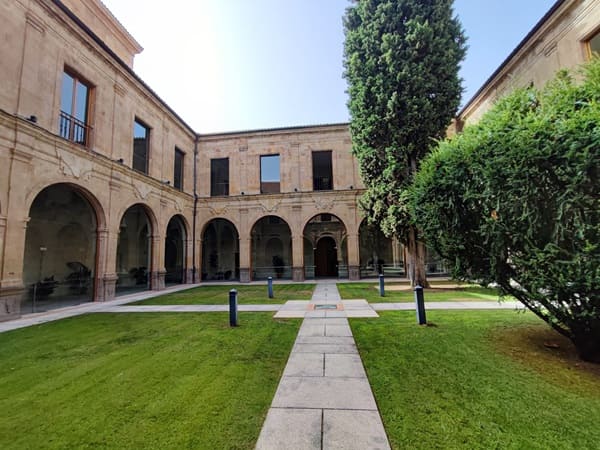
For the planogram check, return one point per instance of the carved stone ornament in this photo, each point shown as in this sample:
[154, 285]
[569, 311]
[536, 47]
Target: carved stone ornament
[142, 190]
[270, 205]
[74, 166]
[323, 204]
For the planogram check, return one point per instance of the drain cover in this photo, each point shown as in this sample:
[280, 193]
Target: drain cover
[325, 306]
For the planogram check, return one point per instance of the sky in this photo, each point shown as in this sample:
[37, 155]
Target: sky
[231, 65]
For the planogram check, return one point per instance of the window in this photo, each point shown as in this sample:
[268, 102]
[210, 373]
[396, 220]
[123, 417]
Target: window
[593, 45]
[141, 139]
[269, 174]
[178, 169]
[322, 171]
[74, 109]
[219, 177]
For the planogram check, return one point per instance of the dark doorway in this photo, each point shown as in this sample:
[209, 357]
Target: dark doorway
[326, 258]
[60, 250]
[175, 252]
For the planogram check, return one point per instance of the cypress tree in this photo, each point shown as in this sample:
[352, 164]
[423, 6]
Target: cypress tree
[402, 59]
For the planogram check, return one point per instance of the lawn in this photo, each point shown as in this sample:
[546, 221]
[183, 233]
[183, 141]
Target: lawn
[478, 379]
[370, 292]
[160, 381]
[247, 295]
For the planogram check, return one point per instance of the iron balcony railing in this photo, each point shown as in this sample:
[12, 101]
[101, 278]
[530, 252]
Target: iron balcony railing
[74, 129]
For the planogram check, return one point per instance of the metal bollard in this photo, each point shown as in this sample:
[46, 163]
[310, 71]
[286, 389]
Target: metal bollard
[233, 308]
[420, 301]
[381, 286]
[270, 286]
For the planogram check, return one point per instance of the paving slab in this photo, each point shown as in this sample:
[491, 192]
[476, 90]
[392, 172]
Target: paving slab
[294, 429]
[325, 348]
[325, 340]
[295, 305]
[311, 329]
[315, 314]
[366, 313]
[305, 365]
[341, 365]
[353, 430]
[327, 321]
[324, 373]
[338, 330]
[324, 393]
[448, 305]
[289, 314]
[355, 304]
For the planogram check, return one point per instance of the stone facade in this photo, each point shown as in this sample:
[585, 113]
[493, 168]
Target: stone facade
[561, 39]
[143, 230]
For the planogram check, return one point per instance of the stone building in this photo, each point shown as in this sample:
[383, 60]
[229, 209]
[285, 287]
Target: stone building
[565, 37]
[105, 190]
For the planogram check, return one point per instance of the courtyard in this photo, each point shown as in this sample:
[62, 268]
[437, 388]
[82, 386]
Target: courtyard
[470, 379]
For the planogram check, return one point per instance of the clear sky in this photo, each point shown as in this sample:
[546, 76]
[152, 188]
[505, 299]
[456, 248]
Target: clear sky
[226, 65]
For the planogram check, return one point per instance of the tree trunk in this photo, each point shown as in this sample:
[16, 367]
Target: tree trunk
[416, 248]
[588, 346]
[416, 260]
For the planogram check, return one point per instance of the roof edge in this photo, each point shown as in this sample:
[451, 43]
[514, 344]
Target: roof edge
[275, 130]
[512, 54]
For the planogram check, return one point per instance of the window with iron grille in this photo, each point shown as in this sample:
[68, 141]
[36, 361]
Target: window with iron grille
[74, 109]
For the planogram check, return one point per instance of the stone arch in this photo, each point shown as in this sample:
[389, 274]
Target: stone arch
[155, 226]
[378, 254]
[271, 248]
[92, 199]
[317, 260]
[61, 253]
[137, 227]
[220, 250]
[175, 257]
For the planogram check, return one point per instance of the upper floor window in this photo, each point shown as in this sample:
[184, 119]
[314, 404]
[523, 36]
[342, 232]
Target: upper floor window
[593, 45]
[74, 109]
[322, 171]
[219, 177]
[269, 174]
[178, 169]
[141, 141]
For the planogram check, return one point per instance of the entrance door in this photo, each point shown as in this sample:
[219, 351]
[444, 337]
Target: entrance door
[326, 258]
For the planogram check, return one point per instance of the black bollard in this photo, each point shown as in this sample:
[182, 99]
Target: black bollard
[420, 301]
[381, 286]
[233, 308]
[270, 286]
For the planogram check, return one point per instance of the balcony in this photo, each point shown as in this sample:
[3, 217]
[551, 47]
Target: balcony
[74, 130]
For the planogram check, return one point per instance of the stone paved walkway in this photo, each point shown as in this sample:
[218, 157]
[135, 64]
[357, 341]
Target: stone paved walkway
[324, 400]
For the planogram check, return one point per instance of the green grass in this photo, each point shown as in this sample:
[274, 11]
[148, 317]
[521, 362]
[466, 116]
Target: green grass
[145, 381]
[370, 292]
[247, 295]
[479, 379]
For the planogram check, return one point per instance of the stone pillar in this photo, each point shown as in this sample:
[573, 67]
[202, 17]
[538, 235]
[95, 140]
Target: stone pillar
[10, 302]
[199, 258]
[157, 271]
[298, 273]
[297, 257]
[99, 271]
[353, 257]
[245, 259]
[189, 262]
[157, 281]
[106, 286]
